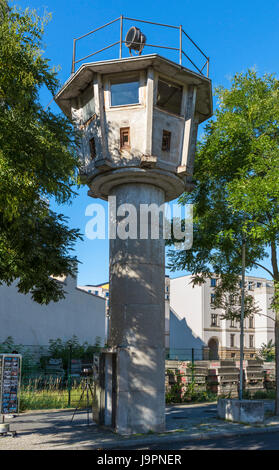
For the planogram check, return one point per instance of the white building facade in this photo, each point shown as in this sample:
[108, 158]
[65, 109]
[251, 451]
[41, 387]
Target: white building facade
[194, 327]
[80, 313]
[204, 327]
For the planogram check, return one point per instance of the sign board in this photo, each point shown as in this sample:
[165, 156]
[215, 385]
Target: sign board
[10, 374]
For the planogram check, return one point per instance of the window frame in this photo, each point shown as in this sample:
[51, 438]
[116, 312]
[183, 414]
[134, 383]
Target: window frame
[213, 282]
[166, 80]
[214, 316]
[123, 145]
[123, 79]
[92, 147]
[83, 105]
[251, 341]
[166, 134]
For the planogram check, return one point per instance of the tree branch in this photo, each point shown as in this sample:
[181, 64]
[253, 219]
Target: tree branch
[263, 267]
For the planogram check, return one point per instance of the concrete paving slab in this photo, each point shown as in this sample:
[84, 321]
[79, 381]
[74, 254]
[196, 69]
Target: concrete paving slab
[53, 429]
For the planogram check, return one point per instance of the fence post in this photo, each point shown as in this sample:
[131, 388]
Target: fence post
[121, 36]
[69, 375]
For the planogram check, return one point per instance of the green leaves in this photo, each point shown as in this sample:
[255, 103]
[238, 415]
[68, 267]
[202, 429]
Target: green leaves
[237, 180]
[38, 161]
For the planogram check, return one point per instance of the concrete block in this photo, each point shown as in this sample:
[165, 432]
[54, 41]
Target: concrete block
[242, 411]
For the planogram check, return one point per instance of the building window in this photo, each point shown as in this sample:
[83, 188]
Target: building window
[259, 284]
[169, 96]
[251, 322]
[232, 341]
[212, 298]
[213, 282]
[166, 140]
[251, 341]
[214, 319]
[87, 103]
[92, 148]
[124, 92]
[233, 325]
[250, 285]
[125, 138]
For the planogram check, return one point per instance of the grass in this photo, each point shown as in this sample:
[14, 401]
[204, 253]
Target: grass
[43, 394]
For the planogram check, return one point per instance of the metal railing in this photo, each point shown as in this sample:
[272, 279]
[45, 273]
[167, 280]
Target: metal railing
[186, 354]
[121, 19]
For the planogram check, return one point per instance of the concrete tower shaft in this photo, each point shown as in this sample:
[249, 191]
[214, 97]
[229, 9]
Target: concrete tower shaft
[137, 302]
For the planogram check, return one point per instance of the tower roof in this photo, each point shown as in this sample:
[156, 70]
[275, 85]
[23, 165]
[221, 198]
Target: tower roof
[84, 75]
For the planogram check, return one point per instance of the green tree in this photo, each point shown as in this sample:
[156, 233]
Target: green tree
[38, 162]
[267, 351]
[237, 189]
[228, 300]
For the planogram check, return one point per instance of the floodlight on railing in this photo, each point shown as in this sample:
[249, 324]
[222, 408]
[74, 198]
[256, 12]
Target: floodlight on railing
[135, 40]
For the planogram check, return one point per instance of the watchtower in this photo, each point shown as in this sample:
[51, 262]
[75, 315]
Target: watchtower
[139, 116]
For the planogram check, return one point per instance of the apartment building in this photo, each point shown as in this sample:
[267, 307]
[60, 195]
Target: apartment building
[101, 290]
[219, 337]
[191, 322]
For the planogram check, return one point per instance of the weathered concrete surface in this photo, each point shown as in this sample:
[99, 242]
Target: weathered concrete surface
[241, 411]
[137, 303]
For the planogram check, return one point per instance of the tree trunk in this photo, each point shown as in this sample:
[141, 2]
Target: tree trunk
[276, 311]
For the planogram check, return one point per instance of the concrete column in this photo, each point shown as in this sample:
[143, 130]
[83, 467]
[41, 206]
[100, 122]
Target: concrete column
[137, 284]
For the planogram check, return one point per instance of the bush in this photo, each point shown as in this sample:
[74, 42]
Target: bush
[59, 349]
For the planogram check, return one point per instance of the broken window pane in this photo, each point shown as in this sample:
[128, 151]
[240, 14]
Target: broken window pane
[124, 93]
[169, 96]
[87, 103]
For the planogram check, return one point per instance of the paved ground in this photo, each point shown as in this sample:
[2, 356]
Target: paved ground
[184, 423]
[266, 441]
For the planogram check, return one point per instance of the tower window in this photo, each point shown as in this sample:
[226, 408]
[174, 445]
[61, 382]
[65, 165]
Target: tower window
[169, 96]
[92, 148]
[125, 138]
[124, 92]
[166, 140]
[87, 103]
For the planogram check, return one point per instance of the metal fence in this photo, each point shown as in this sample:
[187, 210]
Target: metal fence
[188, 354]
[53, 377]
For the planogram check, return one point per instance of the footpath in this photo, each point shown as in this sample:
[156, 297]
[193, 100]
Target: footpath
[53, 429]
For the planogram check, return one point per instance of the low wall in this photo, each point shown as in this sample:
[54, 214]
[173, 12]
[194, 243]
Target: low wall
[244, 411]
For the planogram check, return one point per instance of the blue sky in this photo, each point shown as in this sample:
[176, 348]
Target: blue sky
[235, 35]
